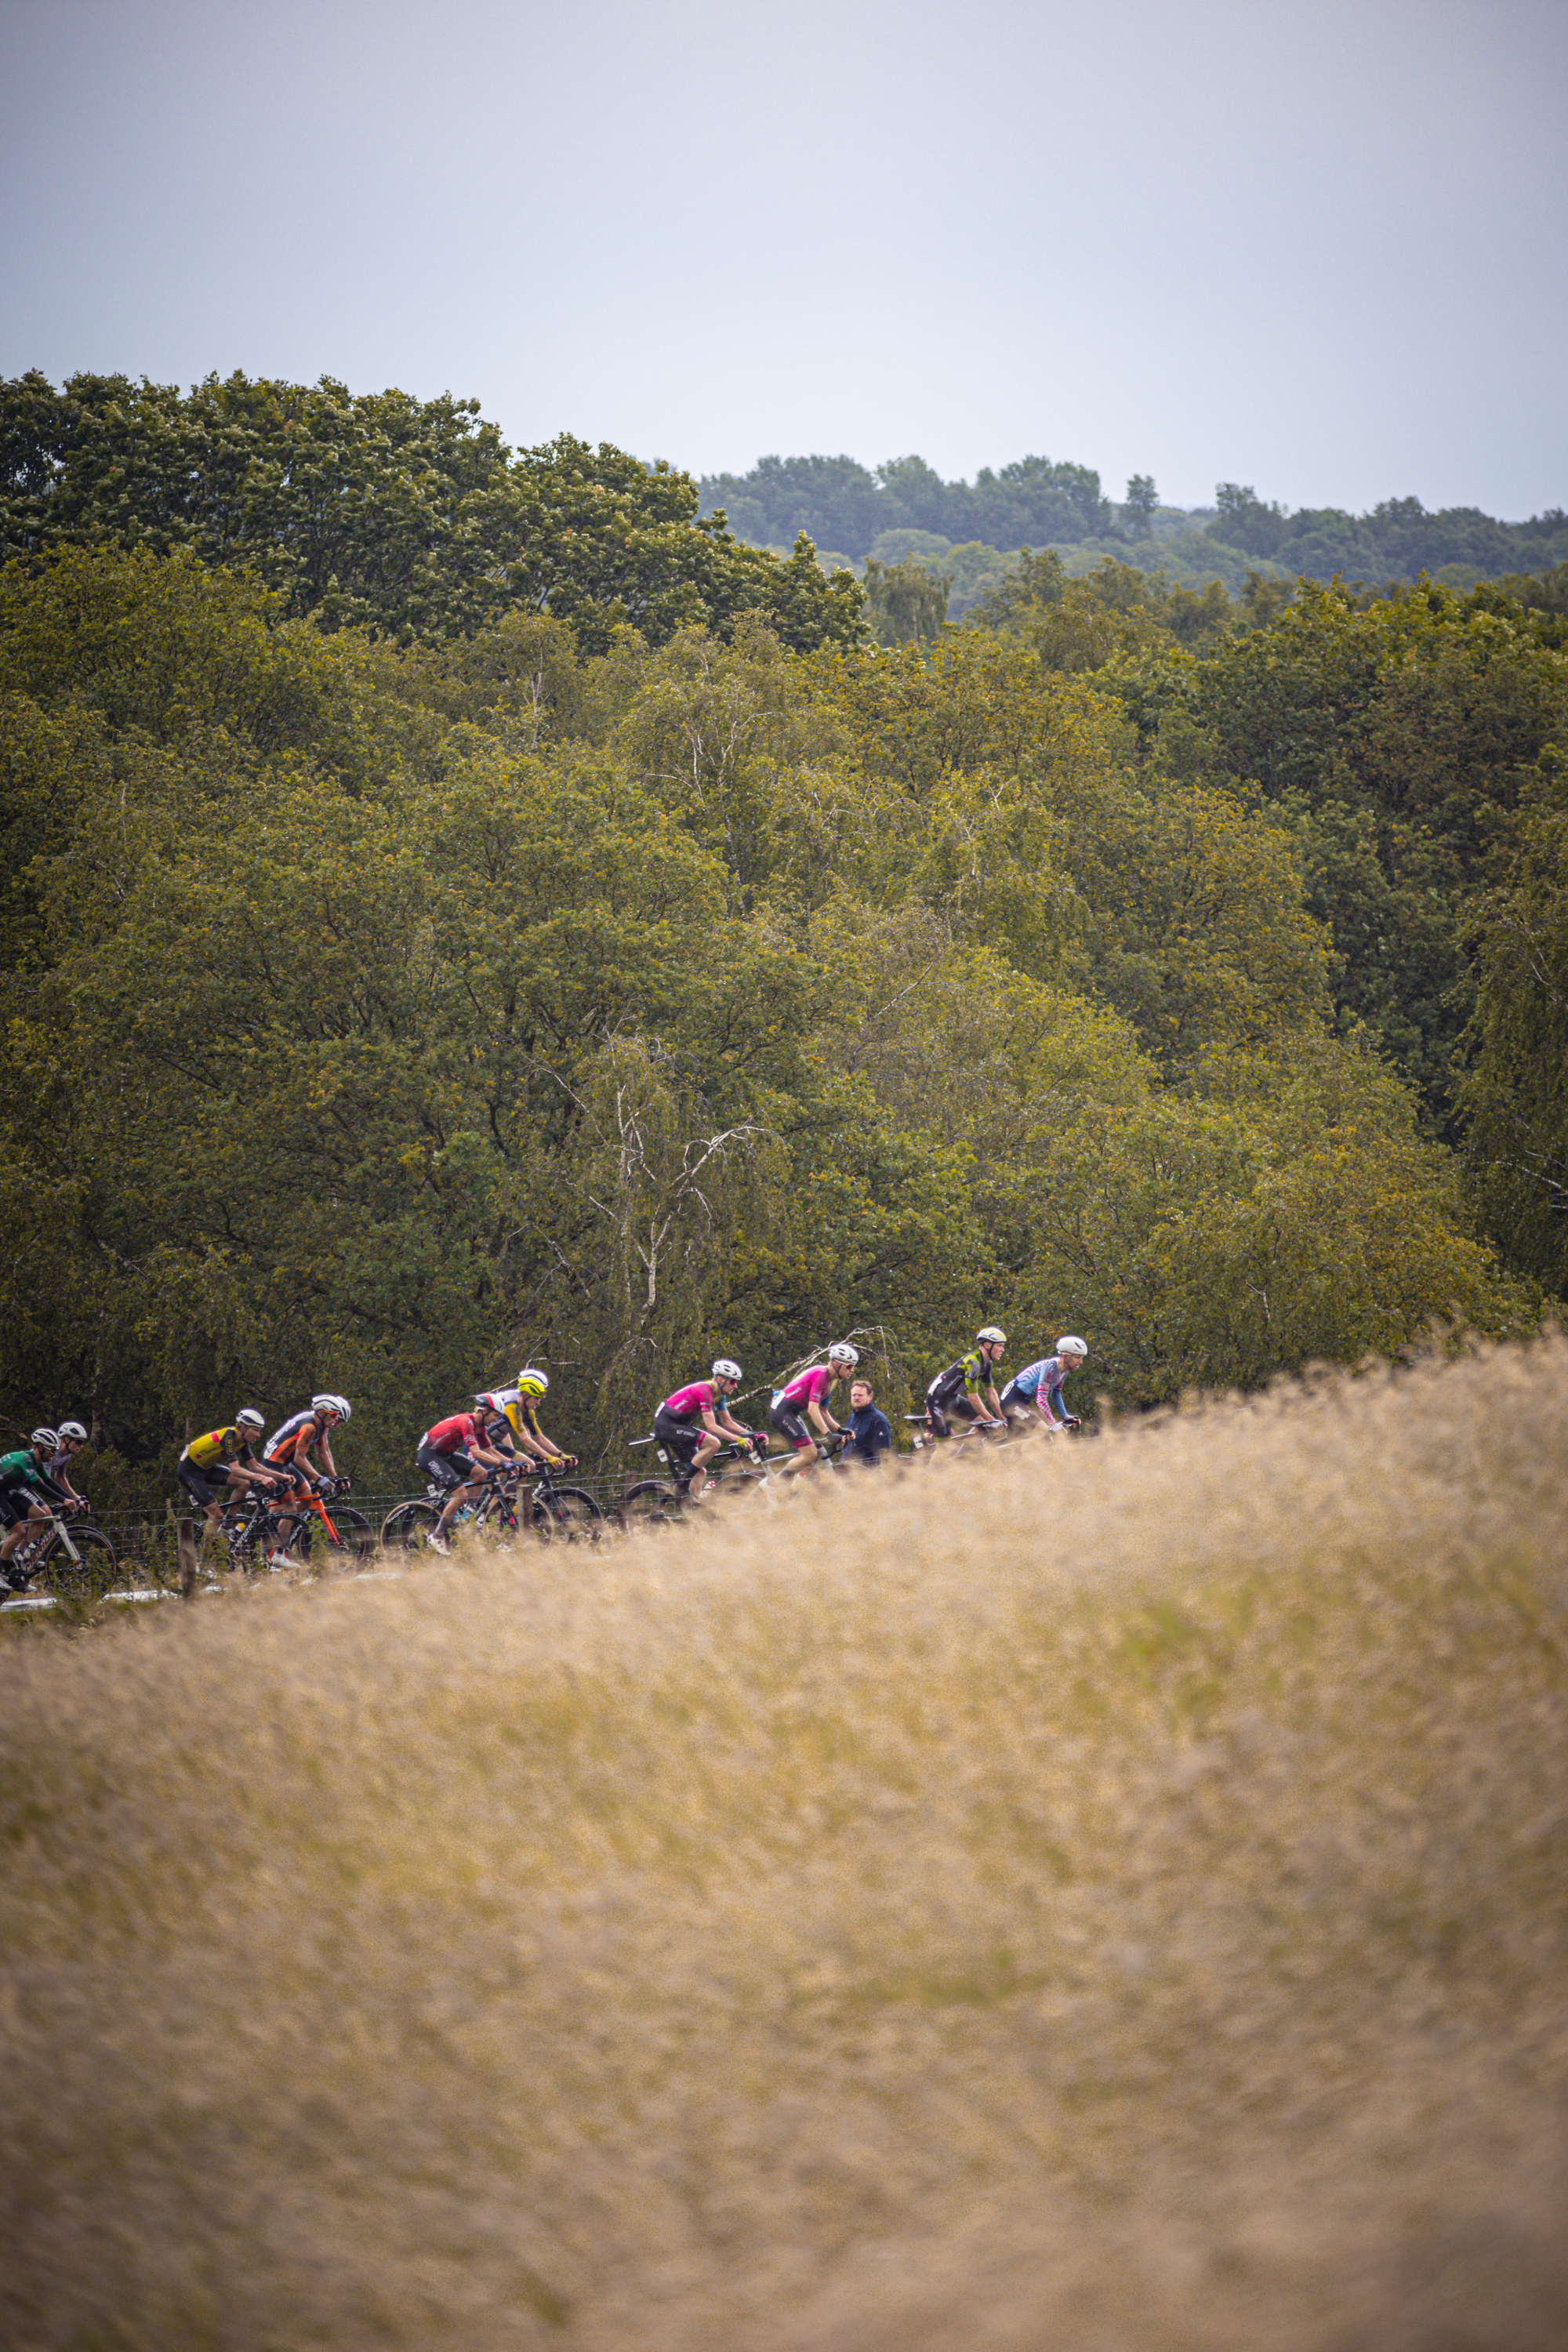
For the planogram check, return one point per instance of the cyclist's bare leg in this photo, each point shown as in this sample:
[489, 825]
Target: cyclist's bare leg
[25, 1529]
[707, 1447]
[455, 1501]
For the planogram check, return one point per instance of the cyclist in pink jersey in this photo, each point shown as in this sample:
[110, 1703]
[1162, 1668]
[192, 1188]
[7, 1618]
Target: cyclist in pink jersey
[805, 1397]
[693, 1423]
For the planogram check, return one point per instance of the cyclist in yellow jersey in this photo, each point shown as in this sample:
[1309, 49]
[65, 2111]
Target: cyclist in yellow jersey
[224, 1457]
[519, 1408]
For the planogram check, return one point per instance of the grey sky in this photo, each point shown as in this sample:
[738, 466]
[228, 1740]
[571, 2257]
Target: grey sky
[1316, 247]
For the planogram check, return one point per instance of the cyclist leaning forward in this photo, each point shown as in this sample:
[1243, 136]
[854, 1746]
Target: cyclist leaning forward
[966, 1391]
[289, 1448]
[806, 1398]
[26, 1493]
[225, 1458]
[693, 1423]
[1040, 1385]
[450, 1452]
[511, 1417]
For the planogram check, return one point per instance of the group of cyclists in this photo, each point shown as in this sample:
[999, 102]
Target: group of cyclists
[697, 1420]
[35, 1483]
[501, 1436]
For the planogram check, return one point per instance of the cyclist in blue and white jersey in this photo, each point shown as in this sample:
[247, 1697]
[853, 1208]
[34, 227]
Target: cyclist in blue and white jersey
[1040, 1384]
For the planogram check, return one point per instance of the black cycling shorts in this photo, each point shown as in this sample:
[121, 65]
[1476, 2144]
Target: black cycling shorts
[447, 1469]
[791, 1424]
[681, 1438]
[13, 1502]
[961, 1407]
[196, 1483]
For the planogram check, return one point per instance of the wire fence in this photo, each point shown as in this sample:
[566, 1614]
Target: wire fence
[146, 1543]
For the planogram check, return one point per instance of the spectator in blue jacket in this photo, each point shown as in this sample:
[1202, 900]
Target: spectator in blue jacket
[867, 1426]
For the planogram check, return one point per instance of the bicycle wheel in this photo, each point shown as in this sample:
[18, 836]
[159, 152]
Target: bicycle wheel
[651, 1504]
[88, 1579]
[569, 1513]
[737, 1476]
[356, 1536]
[410, 1526]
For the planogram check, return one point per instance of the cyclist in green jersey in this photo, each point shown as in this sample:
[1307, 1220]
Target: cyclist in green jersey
[27, 1492]
[967, 1390]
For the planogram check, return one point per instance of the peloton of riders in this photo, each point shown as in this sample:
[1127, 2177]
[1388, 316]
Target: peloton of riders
[502, 1433]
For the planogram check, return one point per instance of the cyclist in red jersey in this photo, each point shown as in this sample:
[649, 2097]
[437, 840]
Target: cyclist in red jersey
[449, 1452]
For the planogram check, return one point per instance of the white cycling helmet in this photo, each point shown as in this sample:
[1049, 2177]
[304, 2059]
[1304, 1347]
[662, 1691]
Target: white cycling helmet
[324, 1403]
[47, 1437]
[73, 1429]
[841, 1352]
[345, 1410]
[991, 1331]
[248, 1418]
[533, 1382]
[725, 1368]
[1071, 1346]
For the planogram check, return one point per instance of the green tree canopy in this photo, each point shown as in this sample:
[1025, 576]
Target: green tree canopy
[410, 518]
[375, 1016]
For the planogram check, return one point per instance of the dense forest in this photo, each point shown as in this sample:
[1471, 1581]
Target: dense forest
[463, 905]
[965, 530]
[408, 518]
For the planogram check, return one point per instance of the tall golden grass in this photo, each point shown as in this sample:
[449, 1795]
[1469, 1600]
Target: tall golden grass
[1109, 1897]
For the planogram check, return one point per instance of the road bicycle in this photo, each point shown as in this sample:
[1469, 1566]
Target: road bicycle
[295, 1522]
[76, 1563]
[740, 1466]
[927, 1440]
[550, 1511]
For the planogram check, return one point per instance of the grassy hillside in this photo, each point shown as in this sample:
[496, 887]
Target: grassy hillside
[1112, 1897]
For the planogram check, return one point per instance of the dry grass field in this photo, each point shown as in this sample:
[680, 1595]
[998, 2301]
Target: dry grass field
[1112, 1899]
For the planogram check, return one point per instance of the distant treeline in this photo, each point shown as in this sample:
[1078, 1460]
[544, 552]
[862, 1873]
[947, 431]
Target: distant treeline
[847, 506]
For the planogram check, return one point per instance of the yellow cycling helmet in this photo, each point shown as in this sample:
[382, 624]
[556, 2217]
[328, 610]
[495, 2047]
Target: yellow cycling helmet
[531, 1382]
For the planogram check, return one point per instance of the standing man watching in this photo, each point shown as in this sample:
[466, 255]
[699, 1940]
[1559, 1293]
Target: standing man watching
[1040, 1385]
[869, 1434]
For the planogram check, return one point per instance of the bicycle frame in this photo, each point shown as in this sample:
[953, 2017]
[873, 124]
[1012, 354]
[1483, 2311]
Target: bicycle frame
[314, 1505]
[23, 1557]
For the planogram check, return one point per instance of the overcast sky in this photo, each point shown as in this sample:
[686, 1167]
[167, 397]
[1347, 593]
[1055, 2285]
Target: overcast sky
[1317, 248]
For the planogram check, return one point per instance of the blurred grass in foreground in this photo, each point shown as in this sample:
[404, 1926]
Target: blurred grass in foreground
[1111, 1901]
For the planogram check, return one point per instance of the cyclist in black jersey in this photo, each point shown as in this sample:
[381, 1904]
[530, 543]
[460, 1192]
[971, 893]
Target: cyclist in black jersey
[966, 1391]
